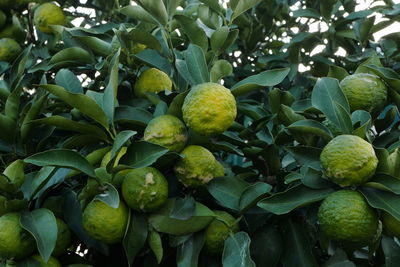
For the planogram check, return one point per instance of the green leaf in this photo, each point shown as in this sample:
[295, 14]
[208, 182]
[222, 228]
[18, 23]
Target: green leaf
[220, 69]
[32, 114]
[242, 6]
[162, 221]
[183, 209]
[67, 79]
[306, 155]
[188, 252]
[339, 259]
[71, 56]
[263, 79]
[329, 98]
[111, 90]
[306, 13]
[143, 154]
[135, 236]
[237, 251]
[196, 34]
[110, 196]
[83, 103]
[337, 72]
[382, 200]
[155, 243]
[252, 195]
[388, 75]
[311, 127]
[15, 172]
[197, 65]
[11, 109]
[42, 224]
[153, 58]
[157, 9]
[6, 185]
[266, 246]
[213, 4]
[62, 158]
[226, 190]
[298, 196]
[218, 38]
[297, 250]
[131, 115]
[97, 45]
[391, 249]
[70, 125]
[120, 140]
[138, 13]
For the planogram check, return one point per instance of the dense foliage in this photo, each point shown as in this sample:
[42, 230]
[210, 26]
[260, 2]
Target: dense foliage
[70, 97]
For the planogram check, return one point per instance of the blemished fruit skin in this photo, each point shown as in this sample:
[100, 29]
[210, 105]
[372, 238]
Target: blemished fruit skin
[152, 81]
[105, 223]
[53, 262]
[349, 160]
[9, 49]
[217, 231]
[390, 224]
[197, 167]
[209, 109]
[167, 131]
[15, 242]
[365, 91]
[145, 189]
[48, 14]
[345, 216]
[63, 238]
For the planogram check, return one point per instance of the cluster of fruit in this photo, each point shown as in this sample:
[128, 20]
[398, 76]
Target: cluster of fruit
[12, 34]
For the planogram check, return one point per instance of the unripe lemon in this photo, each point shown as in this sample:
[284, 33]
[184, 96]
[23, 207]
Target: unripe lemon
[349, 160]
[209, 109]
[63, 238]
[105, 223]
[167, 131]
[9, 49]
[52, 262]
[145, 189]
[197, 167]
[364, 91]
[152, 81]
[15, 242]
[346, 216]
[48, 14]
[218, 230]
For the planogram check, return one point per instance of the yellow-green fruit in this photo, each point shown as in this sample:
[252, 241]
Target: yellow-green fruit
[107, 157]
[349, 160]
[48, 14]
[105, 223]
[197, 167]
[390, 224]
[145, 189]
[209, 109]
[63, 238]
[3, 19]
[9, 49]
[52, 262]
[218, 230]
[152, 81]
[346, 216]
[364, 91]
[15, 242]
[167, 131]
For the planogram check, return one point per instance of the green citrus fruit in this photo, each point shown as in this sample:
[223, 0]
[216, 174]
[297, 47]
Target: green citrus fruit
[364, 91]
[48, 14]
[145, 189]
[107, 157]
[346, 216]
[9, 49]
[15, 242]
[167, 131]
[105, 223]
[218, 230]
[197, 167]
[3, 19]
[52, 262]
[209, 108]
[14, 31]
[152, 81]
[391, 224]
[349, 160]
[63, 238]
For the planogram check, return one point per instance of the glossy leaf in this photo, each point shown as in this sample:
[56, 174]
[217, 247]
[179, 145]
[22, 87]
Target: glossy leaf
[135, 236]
[237, 251]
[143, 154]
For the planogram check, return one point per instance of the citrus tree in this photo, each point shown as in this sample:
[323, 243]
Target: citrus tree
[199, 133]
